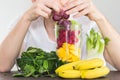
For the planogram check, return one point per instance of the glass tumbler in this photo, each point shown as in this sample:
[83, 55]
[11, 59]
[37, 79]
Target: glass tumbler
[68, 36]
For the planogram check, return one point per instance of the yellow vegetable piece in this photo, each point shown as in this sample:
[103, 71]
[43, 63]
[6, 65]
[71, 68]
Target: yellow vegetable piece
[66, 45]
[61, 53]
[72, 47]
[68, 52]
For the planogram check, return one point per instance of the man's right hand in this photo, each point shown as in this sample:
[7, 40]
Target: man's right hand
[42, 8]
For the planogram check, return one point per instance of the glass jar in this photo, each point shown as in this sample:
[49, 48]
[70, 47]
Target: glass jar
[68, 40]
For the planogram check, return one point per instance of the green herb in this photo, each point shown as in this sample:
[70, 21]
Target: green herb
[36, 62]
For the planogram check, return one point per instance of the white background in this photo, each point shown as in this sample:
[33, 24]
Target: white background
[9, 9]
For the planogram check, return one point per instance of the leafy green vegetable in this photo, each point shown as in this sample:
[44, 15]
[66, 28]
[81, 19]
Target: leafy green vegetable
[36, 62]
[95, 43]
[28, 70]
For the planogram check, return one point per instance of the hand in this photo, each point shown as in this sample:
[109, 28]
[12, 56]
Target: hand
[42, 8]
[82, 7]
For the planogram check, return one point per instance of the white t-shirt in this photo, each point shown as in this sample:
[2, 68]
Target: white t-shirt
[38, 37]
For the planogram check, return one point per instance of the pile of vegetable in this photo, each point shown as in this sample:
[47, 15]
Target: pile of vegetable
[36, 62]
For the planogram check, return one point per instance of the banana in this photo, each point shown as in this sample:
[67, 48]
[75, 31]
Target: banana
[69, 74]
[85, 69]
[91, 63]
[94, 73]
[68, 66]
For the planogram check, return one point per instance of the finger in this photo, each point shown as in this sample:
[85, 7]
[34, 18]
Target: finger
[82, 13]
[46, 9]
[72, 4]
[68, 2]
[41, 13]
[77, 8]
[55, 6]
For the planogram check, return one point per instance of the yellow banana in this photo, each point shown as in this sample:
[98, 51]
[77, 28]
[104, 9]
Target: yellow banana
[68, 66]
[94, 73]
[91, 63]
[69, 74]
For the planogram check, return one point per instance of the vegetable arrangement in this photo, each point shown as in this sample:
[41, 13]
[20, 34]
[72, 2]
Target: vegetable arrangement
[66, 62]
[69, 50]
[36, 62]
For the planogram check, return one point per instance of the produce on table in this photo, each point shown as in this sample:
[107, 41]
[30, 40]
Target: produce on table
[85, 69]
[68, 37]
[36, 62]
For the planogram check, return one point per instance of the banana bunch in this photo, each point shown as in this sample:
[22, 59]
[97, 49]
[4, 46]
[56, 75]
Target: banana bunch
[85, 69]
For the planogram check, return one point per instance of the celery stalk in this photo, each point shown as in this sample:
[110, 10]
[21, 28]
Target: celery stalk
[95, 44]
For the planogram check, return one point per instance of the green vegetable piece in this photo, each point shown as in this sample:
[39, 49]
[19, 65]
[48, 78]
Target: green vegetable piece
[101, 46]
[45, 64]
[42, 70]
[18, 75]
[95, 43]
[106, 40]
[28, 70]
